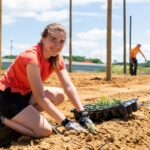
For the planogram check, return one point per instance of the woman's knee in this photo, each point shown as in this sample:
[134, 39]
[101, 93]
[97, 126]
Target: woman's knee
[43, 132]
[61, 96]
[57, 96]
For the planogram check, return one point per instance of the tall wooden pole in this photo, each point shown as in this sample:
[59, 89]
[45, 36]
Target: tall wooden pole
[109, 30]
[0, 36]
[70, 37]
[124, 35]
[130, 38]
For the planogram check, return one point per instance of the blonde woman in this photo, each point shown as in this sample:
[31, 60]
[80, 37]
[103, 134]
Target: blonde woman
[23, 96]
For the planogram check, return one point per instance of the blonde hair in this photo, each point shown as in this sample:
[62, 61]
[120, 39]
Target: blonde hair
[49, 29]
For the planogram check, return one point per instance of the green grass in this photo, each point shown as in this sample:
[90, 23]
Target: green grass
[120, 69]
[143, 69]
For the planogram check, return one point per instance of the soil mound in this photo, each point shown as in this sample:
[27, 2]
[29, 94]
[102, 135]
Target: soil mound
[132, 132]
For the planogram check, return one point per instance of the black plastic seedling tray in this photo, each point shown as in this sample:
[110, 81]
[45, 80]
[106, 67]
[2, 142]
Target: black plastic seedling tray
[114, 111]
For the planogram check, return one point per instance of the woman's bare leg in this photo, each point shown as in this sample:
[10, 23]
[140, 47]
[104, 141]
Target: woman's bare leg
[55, 95]
[18, 127]
[30, 122]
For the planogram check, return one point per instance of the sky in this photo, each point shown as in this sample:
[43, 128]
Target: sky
[24, 20]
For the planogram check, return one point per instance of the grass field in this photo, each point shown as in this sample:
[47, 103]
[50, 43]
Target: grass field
[120, 69]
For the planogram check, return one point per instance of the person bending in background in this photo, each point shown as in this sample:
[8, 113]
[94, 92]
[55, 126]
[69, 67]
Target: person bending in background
[133, 60]
[23, 96]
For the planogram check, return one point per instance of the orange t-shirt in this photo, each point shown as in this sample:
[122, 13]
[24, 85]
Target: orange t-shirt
[16, 77]
[134, 52]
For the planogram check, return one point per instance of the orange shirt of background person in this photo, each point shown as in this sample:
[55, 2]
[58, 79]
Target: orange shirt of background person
[135, 51]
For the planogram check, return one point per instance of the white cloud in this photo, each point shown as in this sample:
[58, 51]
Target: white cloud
[96, 34]
[116, 3]
[35, 5]
[52, 15]
[92, 44]
[136, 1]
[13, 9]
[42, 16]
[131, 1]
[7, 20]
[104, 2]
[21, 46]
[84, 45]
[117, 54]
[5, 52]
[17, 48]
[83, 48]
[146, 51]
[85, 2]
[85, 14]
[148, 32]
[146, 47]
[117, 34]
[93, 34]
[65, 50]
[100, 54]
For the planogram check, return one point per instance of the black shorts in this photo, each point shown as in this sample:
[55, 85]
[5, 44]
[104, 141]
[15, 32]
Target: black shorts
[12, 103]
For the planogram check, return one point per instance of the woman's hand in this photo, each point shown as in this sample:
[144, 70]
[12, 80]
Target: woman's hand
[70, 125]
[85, 121]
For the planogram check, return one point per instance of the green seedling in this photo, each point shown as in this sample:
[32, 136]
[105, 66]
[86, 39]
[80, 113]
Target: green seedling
[117, 101]
[103, 103]
[91, 129]
[89, 107]
[96, 106]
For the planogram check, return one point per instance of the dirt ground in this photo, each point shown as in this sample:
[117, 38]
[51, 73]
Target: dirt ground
[131, 133]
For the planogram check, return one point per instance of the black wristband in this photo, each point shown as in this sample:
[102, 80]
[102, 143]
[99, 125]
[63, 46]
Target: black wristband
[65, 121]
[83, 113]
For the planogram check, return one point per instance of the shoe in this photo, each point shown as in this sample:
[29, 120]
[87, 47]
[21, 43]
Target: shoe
[7, 135]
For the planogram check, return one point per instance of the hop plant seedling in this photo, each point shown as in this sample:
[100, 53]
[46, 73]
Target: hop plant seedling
[92, 129]
[117, 101]
[103, 103]
[89, 107]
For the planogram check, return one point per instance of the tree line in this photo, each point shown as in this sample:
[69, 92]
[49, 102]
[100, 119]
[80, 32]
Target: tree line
[145, 64]
[74, 58]
[84, 59]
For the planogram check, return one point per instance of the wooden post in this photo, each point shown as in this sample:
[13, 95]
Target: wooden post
[0, 37]
[124, 35]
[130, 42]
[70, 37]
[109, 28]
